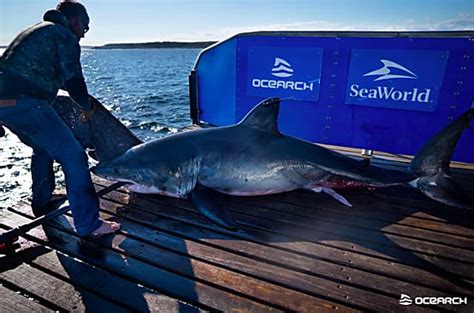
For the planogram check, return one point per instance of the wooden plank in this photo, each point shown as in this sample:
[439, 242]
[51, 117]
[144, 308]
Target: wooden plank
[98, 281]
[53, 290]
[400, 196]
[15, 302]
[408, 251]
[110, 286]
[148, 275]
[312, 206]
[240, 283]
[410, 200]
[359, 227]
[233, 242]
[249, 264]
[306, 243]
[328, 287]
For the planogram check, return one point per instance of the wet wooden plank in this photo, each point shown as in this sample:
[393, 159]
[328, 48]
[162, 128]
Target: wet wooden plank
[312, 206]
[278, 274]
[107, 285]
[12, 301]
[63, 295]
[239, 283]
[408, 200]
[340, 274]
[175, 208]
[414, 274]
[347, 223]
[144, 273]
[95, 280]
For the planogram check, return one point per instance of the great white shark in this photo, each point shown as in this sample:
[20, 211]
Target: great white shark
[254, 158]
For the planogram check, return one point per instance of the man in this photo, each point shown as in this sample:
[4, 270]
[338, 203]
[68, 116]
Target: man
[39, 61]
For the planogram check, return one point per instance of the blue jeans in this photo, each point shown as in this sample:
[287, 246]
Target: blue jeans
[37, 125]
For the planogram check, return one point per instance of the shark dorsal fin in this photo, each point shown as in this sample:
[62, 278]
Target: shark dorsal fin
[263, 116]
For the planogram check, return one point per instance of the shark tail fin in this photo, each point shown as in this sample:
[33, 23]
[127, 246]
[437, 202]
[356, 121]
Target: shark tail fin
[103, 133]
[431, 164]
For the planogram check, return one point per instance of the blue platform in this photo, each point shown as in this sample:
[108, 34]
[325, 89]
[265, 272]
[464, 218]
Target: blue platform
[384, 91]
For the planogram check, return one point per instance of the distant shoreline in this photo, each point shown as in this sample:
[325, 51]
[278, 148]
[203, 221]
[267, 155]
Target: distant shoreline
[151, 45]
[156, 45]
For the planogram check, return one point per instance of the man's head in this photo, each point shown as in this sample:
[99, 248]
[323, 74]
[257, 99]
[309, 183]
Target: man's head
[77, 16]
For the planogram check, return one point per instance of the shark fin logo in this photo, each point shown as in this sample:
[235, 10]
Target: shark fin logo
[282, 68]
[391, 70]
[405, 300]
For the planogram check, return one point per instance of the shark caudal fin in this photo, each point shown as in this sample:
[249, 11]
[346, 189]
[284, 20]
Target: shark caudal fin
[431, 164]
[103, 133]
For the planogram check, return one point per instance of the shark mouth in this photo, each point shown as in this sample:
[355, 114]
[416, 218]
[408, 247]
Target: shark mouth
[137, 188]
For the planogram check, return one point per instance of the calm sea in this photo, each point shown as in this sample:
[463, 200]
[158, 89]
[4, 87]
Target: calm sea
[147, 89]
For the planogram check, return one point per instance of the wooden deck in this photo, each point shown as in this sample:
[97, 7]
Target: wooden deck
[298, 251]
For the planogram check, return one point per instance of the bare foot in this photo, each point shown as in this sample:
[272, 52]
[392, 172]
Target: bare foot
[106, 228]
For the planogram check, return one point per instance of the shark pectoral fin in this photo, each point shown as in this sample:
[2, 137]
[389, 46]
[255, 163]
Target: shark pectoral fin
[333, 194]
[213, 206]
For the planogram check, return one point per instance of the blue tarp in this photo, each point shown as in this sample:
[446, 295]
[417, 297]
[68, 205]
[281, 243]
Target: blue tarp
[381, 91]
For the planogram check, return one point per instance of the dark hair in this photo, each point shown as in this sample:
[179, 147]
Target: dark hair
[71, 8]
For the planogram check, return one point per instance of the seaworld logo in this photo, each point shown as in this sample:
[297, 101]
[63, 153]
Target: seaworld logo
[390, 70]
[384, 72]
[391, 93]
[282, 68]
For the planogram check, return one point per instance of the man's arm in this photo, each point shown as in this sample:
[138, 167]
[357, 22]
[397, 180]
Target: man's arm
[78, 91]
[70, 65]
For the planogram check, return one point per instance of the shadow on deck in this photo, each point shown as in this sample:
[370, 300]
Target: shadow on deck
[297, 251]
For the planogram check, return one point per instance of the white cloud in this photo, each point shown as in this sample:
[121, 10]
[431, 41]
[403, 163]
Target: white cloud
[463, 21]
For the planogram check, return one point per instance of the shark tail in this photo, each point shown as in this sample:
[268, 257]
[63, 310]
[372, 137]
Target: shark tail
[431, 165]
[103, 133]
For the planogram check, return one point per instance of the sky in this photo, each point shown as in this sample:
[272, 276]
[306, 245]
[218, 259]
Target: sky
[119, 21]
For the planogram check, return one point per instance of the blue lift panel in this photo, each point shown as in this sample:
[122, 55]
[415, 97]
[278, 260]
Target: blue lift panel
[384, 91]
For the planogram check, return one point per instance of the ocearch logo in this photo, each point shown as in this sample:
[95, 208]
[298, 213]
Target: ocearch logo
[282, 69]
[406, 300]
[390, 70]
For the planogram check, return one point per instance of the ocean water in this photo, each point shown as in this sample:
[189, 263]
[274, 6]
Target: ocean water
[147, 89]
